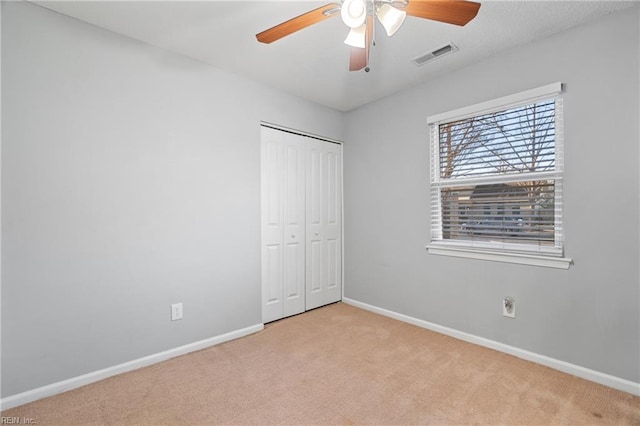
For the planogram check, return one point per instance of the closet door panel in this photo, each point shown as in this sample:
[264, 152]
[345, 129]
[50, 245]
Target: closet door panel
[272, 225]
[294, 224]
[274, 274]
[315, 246]
[332, 264]
[332, 209]
[324, 226]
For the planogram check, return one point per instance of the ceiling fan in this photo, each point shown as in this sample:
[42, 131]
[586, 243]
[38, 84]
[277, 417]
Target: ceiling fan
[359, 15]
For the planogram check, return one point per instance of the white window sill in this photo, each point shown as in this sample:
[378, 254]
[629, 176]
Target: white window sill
[519, 258]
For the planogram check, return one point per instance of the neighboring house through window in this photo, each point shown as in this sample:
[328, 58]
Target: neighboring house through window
[496, 180]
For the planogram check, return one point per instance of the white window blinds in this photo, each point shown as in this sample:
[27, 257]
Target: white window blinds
[496, 174]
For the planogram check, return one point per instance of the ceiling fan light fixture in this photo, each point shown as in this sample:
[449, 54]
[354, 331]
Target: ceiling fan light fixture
[360, 16]
[354, 12]
[356, 37]
[390, 18]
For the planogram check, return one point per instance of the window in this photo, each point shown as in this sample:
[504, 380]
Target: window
[496, 179]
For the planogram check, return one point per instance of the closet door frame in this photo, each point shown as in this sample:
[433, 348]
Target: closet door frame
[276, 302]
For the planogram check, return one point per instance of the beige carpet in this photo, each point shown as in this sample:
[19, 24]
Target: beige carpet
[339, 365]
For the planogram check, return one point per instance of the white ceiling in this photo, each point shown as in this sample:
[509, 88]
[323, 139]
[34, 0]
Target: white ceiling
[313, 63]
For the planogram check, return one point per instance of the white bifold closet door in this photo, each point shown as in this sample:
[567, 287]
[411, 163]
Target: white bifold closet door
[301, 223]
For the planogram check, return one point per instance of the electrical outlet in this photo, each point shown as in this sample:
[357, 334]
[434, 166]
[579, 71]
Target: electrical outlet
[176, 311]
[509, 307]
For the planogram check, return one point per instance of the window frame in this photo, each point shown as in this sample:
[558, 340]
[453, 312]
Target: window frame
[552, 257]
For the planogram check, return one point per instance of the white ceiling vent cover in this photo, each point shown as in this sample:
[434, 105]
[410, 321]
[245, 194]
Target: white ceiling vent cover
[435, 53]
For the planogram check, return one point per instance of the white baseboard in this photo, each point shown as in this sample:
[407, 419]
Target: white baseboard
[85, 379]
[575, 370]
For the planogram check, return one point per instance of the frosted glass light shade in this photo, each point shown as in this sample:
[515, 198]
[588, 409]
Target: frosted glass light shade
[354, 12]
[390, 18]
[356, 37]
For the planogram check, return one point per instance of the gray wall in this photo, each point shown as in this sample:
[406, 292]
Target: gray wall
[587, 315]
[130, 181]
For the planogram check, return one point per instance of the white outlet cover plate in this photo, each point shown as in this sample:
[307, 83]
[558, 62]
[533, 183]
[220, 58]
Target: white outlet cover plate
[176, 311]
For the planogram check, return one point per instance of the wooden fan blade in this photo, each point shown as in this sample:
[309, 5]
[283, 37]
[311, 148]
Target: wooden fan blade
[358, 59]
[299, 22]
[455, 12]
[360, 56]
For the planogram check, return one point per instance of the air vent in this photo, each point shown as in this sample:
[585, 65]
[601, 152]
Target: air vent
[435, 53]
